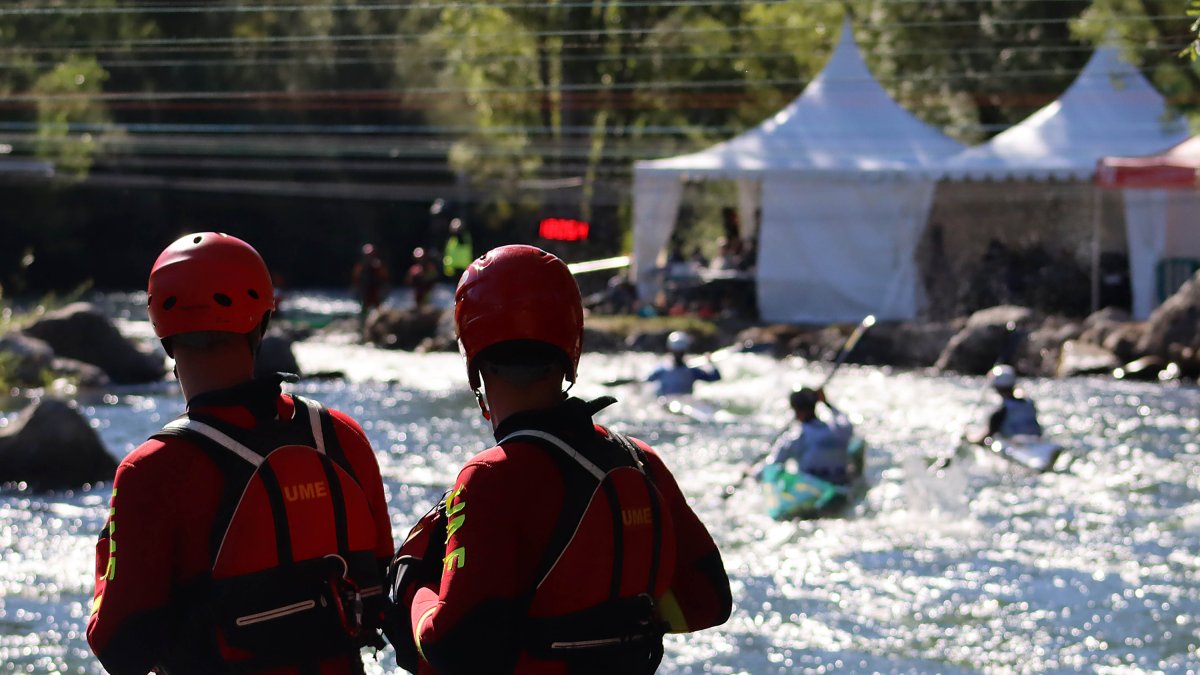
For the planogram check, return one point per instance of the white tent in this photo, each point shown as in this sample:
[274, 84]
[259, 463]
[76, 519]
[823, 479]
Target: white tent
[844, 177]
[1162, 216]
[1110, 109]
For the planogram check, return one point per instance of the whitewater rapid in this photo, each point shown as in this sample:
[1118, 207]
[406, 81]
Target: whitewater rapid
[984, 568]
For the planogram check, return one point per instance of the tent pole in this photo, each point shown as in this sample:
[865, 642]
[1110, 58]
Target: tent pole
[1097, 205]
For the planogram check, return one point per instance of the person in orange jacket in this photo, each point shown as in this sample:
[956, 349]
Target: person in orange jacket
[250, 534]
[569, 547]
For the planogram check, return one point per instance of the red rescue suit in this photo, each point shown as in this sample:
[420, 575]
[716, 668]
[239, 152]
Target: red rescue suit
[511, 586]
[153, 571]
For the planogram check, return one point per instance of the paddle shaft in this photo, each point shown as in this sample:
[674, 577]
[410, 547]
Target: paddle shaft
[847, 347]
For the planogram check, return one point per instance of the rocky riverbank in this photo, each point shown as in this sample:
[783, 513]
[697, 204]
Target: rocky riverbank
[51, 356]
[1166, 346]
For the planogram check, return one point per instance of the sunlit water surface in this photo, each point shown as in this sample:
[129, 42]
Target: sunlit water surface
[983, 568]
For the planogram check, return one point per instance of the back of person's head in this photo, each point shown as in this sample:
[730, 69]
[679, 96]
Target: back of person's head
[803, 400]
[679, 342]
[207, 285]
[523, 362]
[518, 309]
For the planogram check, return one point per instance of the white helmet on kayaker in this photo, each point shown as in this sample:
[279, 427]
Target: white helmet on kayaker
[1003, 377]
[679, 342]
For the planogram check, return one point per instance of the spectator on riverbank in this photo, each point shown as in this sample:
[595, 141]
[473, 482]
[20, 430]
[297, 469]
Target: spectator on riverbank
[422, 275]
[458, 255]
[251, 504]
[369, 279]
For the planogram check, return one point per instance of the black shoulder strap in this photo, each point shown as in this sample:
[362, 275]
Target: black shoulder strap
[581, 477]
[323, 428]
[240, 453]
[639, 456]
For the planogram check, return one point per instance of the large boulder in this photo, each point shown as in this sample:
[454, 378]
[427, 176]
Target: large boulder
[51, 446]
[986, 339]
[904, 344]
[1173, 330]
[30, 362]
[275, 356]
[446, 337]
[1038, 353]
[1081, 358]
[403, 328]
[1123, 340]
[25, 358]
[80, 331]
[1099, 328]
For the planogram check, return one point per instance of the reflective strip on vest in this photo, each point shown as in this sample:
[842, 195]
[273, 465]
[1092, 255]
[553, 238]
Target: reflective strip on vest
[217, 437]
[314, 420]
[255, 459]
[561, 445]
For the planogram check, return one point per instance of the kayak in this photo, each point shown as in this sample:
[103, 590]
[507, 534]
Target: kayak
[797, 495]
[1032, 452]
[696, 409]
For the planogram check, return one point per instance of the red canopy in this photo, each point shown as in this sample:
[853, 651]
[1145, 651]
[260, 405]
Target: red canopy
[1177, 167]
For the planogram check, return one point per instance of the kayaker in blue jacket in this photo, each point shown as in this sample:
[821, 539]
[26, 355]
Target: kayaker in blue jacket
[820, 448]
[678, 377]
[1016, 416]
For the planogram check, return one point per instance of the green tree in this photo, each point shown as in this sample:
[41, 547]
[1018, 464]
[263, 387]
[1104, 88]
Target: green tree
[65, 97]
[1151, 33]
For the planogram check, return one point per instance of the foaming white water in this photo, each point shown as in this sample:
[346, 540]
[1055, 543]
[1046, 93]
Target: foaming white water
[980, 568]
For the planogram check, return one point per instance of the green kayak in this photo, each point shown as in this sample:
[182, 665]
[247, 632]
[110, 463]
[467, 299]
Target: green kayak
[803, 496]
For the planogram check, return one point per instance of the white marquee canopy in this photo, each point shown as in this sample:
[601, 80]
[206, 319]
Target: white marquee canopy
[844, 177]
[1110, 109]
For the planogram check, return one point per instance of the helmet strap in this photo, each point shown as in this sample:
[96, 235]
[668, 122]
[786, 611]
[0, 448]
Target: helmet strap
[483, 407]
[255, 337]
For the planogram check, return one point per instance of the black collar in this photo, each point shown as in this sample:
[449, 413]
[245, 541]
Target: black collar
[572, 413]
[259, 396]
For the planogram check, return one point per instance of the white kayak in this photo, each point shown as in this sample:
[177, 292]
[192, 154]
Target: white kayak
[696, 409]
[1032, 452]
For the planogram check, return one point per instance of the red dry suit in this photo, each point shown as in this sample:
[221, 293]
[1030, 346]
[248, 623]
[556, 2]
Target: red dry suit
[172, 498]
[542, 554]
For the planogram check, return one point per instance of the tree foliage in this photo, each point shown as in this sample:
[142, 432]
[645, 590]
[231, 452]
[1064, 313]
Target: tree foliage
[536, 106]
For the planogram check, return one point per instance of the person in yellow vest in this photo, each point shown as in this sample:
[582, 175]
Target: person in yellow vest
[458, 255]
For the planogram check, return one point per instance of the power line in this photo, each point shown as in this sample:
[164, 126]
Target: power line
[229, 42]
[1043, 48]
[412, 7]
[346, 95]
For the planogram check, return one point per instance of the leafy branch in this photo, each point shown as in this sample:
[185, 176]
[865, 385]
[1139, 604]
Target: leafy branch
[1193, 50]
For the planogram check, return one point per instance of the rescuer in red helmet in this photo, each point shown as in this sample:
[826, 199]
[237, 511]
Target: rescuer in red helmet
[568, 548]
[253, 528]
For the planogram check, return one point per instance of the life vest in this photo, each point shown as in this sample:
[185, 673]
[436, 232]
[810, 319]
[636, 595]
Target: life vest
[614, 526]
[674, 380]
[293, 547]
[826, 451]
[1020, 418]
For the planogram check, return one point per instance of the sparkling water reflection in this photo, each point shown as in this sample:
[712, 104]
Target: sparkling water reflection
[981, 568]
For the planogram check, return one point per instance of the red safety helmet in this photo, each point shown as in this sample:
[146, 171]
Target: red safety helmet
[209, 281]
[518, 293]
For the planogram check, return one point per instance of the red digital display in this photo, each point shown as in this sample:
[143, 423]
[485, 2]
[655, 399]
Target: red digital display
[563, 229]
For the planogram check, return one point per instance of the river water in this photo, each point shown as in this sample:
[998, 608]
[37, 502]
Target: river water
[1095, 568]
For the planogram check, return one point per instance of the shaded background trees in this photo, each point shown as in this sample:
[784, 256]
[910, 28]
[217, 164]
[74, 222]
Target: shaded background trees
[311, 127]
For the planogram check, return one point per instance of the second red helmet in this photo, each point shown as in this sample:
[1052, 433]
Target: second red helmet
[209, 281]
[518, 292]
